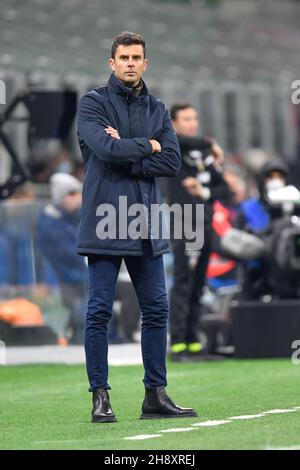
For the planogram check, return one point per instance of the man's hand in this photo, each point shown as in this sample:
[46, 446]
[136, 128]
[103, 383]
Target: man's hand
[112, 132]
[156, 147]
[193, 186]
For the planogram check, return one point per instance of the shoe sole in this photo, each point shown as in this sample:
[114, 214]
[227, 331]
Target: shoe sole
[104, 420]
[191, 414]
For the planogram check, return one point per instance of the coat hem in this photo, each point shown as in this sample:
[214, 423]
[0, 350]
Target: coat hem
[90, 251]
[95, 251]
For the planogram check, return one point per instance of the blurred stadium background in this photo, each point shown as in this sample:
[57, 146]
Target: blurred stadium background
[234, 60]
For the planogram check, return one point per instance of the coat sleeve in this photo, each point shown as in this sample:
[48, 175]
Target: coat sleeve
[168, 162]
[91, 124]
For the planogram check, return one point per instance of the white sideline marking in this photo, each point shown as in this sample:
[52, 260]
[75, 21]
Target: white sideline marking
[220, 422]
[212, 423]
[258, 415]
[141, 437]
[283, 448]
[280, 411]
[177, 430]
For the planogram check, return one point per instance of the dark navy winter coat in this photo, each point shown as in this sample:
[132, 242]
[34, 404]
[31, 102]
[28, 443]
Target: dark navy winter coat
[125, 166]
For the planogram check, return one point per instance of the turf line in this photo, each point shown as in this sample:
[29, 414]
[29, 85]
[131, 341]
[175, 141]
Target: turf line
[283, 448]
[141, 437]
[211, 423]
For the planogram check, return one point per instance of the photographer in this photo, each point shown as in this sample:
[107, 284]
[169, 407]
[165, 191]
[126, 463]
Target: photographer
[199, 181]
[272, 222]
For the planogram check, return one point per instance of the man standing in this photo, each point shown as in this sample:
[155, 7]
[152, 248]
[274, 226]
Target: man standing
[199, 181]
[127, 140]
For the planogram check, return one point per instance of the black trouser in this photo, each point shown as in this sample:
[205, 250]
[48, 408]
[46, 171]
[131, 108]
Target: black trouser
[187, 290]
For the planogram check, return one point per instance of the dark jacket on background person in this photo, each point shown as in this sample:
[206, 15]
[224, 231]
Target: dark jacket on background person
[57, 233]
[125, 166]
[210, 177]
[256, 214]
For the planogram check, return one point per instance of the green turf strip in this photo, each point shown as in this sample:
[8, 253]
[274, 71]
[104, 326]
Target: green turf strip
[48, 407]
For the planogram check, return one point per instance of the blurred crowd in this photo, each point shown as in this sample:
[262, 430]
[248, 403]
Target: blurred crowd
[248, 203]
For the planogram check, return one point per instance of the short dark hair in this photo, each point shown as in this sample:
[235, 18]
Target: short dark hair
[179, 107]
[127, 38]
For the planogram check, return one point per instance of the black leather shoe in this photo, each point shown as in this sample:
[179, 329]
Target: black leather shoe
[102, 412]
[157, 404]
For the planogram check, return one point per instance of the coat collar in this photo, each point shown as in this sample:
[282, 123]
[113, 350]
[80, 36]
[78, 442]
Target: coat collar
[119, 88]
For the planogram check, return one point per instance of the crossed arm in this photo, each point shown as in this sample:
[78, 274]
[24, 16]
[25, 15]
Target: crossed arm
[156, 147]
[149, 158]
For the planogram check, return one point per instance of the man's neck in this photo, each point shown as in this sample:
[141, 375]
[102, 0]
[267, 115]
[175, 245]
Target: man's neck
[135, 87]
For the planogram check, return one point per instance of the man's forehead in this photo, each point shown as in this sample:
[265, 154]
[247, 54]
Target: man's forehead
[133, 49]
[190, 111]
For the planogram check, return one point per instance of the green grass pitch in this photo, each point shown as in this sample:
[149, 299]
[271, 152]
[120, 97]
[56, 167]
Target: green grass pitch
[48, 407]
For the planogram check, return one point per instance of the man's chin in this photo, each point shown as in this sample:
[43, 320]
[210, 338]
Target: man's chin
[130, 81]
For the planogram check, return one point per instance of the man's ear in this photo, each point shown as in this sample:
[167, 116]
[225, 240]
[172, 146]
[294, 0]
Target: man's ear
[112, 64]
[145, 64]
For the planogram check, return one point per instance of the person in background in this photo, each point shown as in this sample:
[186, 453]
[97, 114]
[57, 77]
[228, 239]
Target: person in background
[57, 238]
[222, 270]
[49, 158]
[199, 181]
[255, 215]
[16, 239]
